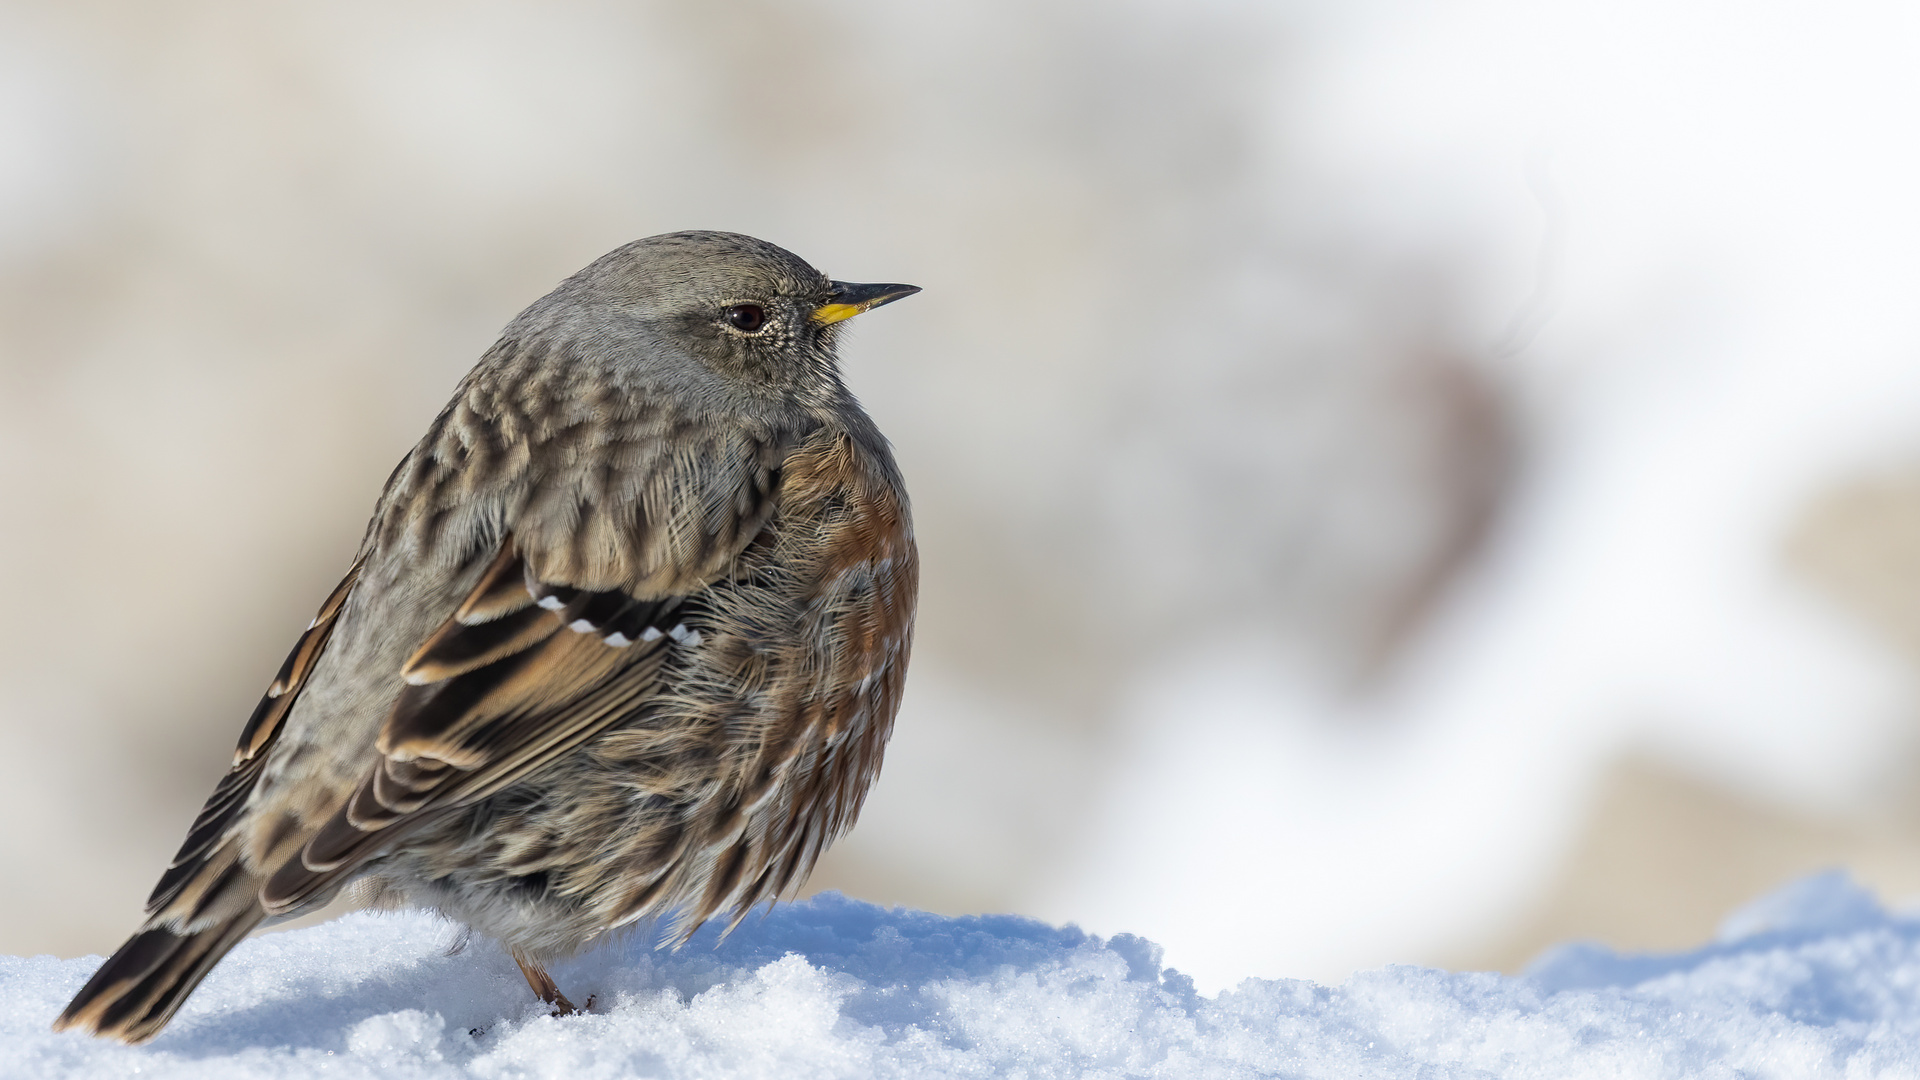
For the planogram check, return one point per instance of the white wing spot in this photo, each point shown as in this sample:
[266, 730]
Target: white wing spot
[618, 640]
[650, 634]
[552, 603]
[580, 626]
[678, 633]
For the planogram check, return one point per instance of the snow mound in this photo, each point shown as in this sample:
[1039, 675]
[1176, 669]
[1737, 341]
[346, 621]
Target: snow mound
[1816, 980]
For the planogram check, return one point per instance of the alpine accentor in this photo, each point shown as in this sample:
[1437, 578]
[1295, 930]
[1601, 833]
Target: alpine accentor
[625, 639]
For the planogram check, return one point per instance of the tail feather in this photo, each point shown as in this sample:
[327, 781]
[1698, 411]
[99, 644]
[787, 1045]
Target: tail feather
[141, 986]
[208, 910]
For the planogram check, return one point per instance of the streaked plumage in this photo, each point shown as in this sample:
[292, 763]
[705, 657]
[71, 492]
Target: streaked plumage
[625, 639]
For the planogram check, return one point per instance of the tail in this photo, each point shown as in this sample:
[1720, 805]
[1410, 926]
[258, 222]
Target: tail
[209, 898]
[141, 986]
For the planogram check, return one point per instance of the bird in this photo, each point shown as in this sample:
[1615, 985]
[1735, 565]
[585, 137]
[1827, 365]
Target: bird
[622, 645]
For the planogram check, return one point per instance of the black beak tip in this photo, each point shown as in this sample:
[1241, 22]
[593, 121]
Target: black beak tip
[869, 296]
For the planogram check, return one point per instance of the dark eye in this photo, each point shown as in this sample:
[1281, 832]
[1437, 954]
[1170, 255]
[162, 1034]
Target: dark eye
[748, 317]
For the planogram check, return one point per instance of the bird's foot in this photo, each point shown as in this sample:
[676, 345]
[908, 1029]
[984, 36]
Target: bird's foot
[544, 987]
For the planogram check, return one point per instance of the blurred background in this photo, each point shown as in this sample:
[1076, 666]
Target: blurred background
[1398, 480]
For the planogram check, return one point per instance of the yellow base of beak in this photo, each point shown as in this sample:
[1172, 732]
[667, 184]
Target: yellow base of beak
[827, 314]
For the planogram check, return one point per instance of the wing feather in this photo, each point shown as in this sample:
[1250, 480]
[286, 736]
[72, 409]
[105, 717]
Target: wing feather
[522, 672]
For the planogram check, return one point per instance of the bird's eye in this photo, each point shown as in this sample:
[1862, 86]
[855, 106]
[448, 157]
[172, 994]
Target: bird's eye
[748, 317]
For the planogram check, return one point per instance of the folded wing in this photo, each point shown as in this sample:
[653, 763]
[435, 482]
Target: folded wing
[523, 672]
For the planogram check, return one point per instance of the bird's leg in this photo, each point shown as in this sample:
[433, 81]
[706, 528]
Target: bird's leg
[543, 985]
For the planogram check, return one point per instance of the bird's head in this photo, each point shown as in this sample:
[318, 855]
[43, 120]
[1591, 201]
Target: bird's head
[752, 312]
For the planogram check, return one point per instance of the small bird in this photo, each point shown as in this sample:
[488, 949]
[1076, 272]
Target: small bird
[624, 641]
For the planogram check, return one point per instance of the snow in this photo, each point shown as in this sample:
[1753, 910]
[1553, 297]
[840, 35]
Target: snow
[1814, 980]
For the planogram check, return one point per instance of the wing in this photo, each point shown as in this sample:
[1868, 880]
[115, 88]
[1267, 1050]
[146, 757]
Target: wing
[599, 518]
[562, 635]
[524, 671]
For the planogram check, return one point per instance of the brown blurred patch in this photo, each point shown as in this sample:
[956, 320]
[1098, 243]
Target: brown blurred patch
[1860, 543]
[1665, 856]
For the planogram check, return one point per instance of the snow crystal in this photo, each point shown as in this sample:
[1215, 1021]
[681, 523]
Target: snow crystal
[1813, 981]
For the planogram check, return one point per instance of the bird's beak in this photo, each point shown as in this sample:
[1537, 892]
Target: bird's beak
[848, 299]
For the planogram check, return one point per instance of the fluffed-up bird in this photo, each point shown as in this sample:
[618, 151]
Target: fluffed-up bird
[624, 640]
